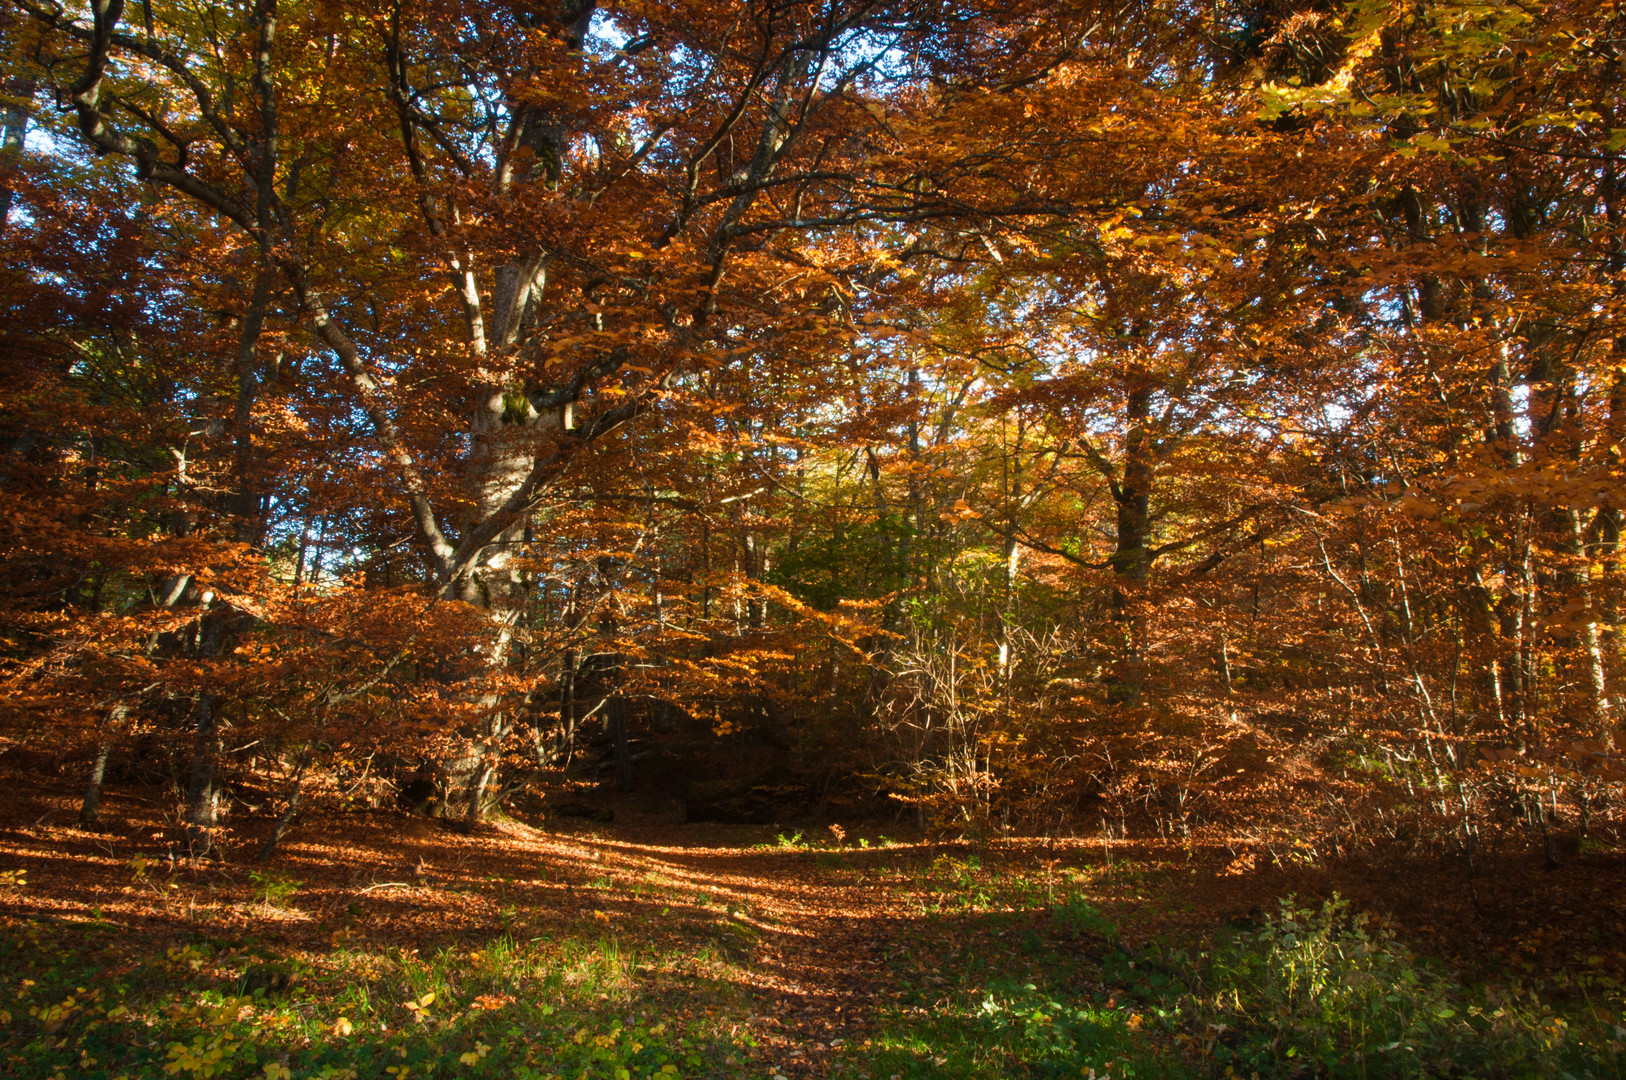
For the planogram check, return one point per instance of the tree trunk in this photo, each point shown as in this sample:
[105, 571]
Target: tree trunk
[13, 130]
[286, 819]
[247, 505]
[507, 440]
[1509, 665]
[755, 608]
[1555, 403]
[567, 706]
[1131, 561]
[1595, 704]
[91, 806]
[487, 764]
[304, 546]
[1608, 521]
[617, 710]
[202, 793]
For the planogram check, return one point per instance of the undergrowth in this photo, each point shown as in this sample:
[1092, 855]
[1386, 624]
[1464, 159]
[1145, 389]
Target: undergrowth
[1005, 973]
[90, 1009]
[1306, 993]
[1316, 991]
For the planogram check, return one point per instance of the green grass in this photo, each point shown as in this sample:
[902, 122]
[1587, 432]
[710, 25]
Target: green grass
[1309, 993]
[1003, 970]
[576, 1007]
[1312, 990]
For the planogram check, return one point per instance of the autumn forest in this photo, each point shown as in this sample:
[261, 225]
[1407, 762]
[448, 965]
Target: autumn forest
[557, 527]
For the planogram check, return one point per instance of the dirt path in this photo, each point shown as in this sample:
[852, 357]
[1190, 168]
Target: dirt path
[803, 933]
[819, 929]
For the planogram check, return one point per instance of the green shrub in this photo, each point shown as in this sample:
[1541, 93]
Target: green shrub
[1318, 993]
[273, 888]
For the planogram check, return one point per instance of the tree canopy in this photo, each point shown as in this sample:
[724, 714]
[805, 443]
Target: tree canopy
[1023, 412]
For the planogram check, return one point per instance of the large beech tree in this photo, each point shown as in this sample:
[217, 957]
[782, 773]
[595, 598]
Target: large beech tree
[1011, 398]
[512, 227]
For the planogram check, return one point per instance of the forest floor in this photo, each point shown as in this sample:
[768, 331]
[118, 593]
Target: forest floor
[375, 944]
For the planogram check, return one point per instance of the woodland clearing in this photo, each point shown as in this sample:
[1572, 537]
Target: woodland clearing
[383, 944]
[890, 538]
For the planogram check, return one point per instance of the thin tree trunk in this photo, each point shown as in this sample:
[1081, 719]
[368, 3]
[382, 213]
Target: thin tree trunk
[567, 706]
[286, 819]
[1514, 623]
[487, 764]
[316, 552]
[1608, 522]
[248, 506]
[304, 545]
[13, 130]
[617, 710]
[1596, 705]
[91, 806]
[202, 795]
[756, 609]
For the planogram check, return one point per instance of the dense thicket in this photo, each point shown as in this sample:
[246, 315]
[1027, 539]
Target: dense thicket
[1035, 413]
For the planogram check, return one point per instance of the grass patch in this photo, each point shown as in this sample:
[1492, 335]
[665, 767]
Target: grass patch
[968, 966]
[1307, 993]
[573, 1008]
[1314, 991]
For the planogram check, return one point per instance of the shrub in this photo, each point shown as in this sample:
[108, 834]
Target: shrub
[1317, 992]
[272, 889]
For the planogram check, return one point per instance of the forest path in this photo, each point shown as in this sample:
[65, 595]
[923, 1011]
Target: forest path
[794, 946]
[816, 929]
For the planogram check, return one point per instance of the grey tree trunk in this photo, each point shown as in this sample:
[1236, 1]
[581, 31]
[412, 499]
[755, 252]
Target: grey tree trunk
[13, 130]
[91, 806]
[286, 819]
[477, 790]
[202, 793]
[1507, 663]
